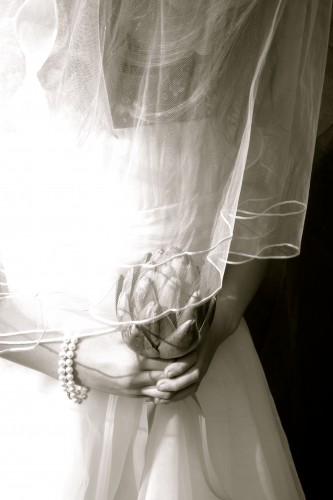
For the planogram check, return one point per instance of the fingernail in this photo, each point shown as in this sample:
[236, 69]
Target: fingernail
[169, 374]
[161, 387]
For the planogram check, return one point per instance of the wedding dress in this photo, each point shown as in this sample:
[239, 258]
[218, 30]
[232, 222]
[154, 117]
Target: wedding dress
[128, 127]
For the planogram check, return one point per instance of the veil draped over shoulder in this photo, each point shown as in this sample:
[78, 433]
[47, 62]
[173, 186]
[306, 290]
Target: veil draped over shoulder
[178, 128]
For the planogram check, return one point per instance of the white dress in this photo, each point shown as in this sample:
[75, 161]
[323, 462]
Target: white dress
[227, 443]
[126, 128]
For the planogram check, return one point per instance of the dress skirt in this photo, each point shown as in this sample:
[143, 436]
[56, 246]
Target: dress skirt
[226, 442]
[127, 128]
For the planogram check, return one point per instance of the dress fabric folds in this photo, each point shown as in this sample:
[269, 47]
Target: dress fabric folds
[128, 128]
[226, 443]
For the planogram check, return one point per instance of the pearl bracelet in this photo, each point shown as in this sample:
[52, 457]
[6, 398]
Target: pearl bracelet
[76, 393]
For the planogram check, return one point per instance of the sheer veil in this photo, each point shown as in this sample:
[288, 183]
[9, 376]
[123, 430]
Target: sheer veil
[130, 129]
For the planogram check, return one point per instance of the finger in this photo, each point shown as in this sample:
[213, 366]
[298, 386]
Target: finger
[178, 396]
[153, 393]
[176, 384]
[155, 363]
[146, 378]
[181, 365]
[149, 392]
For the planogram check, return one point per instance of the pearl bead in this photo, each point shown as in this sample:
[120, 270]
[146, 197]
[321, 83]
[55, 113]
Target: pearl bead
[75, 393]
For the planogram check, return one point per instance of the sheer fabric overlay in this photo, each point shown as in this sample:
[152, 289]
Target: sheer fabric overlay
[225, 444]
[146, 126]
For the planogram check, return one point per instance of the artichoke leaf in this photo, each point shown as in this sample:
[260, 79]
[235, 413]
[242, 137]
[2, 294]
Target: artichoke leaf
[133, 337]
[180, 342]
[190, 310]
[206, 324]
[123, 310]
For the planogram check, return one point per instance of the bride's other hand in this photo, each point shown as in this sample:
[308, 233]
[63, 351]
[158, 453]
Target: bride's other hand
[183, 377]
[104, 363]
[107, 364]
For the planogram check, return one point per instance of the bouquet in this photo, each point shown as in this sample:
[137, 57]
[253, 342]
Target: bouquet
[146, 291]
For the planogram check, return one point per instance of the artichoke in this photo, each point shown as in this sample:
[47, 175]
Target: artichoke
[145, 292]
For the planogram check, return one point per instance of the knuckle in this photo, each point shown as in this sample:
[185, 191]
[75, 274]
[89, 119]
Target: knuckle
[176, 386]
[196, 374]
[166, 396]
[152, 378]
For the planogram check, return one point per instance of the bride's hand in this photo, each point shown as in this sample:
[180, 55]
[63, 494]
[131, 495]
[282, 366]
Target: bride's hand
[183, 377]
[107, 364]
[240, 283]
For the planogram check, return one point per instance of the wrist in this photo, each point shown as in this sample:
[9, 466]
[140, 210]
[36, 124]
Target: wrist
[227, 318]
[240, 284]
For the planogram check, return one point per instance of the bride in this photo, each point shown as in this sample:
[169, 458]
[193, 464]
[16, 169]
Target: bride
[155, 155]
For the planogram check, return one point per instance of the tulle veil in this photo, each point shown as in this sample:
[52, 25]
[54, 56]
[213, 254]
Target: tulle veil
[133, 127]
[148, 142]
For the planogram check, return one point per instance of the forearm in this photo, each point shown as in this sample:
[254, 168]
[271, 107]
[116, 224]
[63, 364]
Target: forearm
[22, 324]
[240, 285]
[24, 321]
[43, 358]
